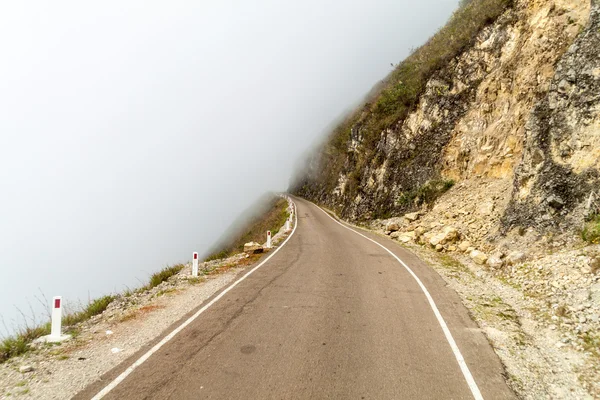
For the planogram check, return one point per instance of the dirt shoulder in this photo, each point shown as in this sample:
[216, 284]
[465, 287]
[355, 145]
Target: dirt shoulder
[132, 320]
[540, 357]
[60, 371]
[535, 294]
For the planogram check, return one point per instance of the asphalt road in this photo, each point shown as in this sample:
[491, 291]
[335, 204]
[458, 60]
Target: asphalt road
[331, 315]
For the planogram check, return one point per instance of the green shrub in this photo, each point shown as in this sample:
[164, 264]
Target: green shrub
[425, 194]
[591, 230]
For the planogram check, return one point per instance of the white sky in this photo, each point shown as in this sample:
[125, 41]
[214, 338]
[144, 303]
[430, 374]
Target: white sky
[133, 133]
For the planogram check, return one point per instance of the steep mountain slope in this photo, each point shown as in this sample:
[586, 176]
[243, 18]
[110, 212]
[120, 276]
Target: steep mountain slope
[489, 153]
[469, 122]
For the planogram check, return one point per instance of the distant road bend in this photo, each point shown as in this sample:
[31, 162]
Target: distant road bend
[334, 313]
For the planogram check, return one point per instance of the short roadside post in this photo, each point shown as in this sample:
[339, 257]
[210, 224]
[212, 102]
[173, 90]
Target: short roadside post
[55, 330]
[287, 225]
[195, 265]
[268, 239]
[56, 324]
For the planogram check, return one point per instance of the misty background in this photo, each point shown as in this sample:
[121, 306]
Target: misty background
[134, 133]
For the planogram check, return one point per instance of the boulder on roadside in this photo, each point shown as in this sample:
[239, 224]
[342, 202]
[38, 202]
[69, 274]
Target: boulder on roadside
[448, 235]
[25, 368]
[515, 257]
[478, 256]
[253, 248]
[406, 237]
[392, 227]
[425, 237]
[464, 245]
[394, 235]
[495, 262]
[420, 230]
[412, 216]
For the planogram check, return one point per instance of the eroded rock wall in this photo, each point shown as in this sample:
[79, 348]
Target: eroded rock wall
[557, 181]
[472, 122]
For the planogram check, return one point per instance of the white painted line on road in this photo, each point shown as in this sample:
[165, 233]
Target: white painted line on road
[457, 354]
[171, 335]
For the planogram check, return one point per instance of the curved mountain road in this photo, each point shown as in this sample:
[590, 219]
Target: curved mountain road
[331, 315]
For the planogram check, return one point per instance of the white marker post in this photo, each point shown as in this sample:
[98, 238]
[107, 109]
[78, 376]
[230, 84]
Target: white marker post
[56, 329]
[287, 225]
[195, 265]
[268, 239]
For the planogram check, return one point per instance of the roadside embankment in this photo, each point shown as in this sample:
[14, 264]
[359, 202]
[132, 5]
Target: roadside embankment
[128, 321]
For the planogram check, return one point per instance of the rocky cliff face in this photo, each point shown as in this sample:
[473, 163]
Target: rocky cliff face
[520, 105]
[556, 181]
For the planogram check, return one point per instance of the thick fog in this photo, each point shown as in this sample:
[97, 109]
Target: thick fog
[133, 133]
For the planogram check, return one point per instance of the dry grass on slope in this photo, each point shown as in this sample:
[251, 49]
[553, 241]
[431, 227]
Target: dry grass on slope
[255, 230]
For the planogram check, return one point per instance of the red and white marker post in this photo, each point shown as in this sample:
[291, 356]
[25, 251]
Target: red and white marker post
[195, 265]
[55, 331]
[268, 239]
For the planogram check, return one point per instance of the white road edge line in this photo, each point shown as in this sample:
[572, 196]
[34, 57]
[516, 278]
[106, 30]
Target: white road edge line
[457, 354]
[171, 335]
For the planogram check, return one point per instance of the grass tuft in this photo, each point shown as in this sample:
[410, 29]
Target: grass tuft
[12, 347]
[19, 344]
[94, 308]
[218, 255]
[164, 274]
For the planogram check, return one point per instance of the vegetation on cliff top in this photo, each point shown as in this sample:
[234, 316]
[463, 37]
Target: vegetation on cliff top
[407, 82]
[399, 93]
